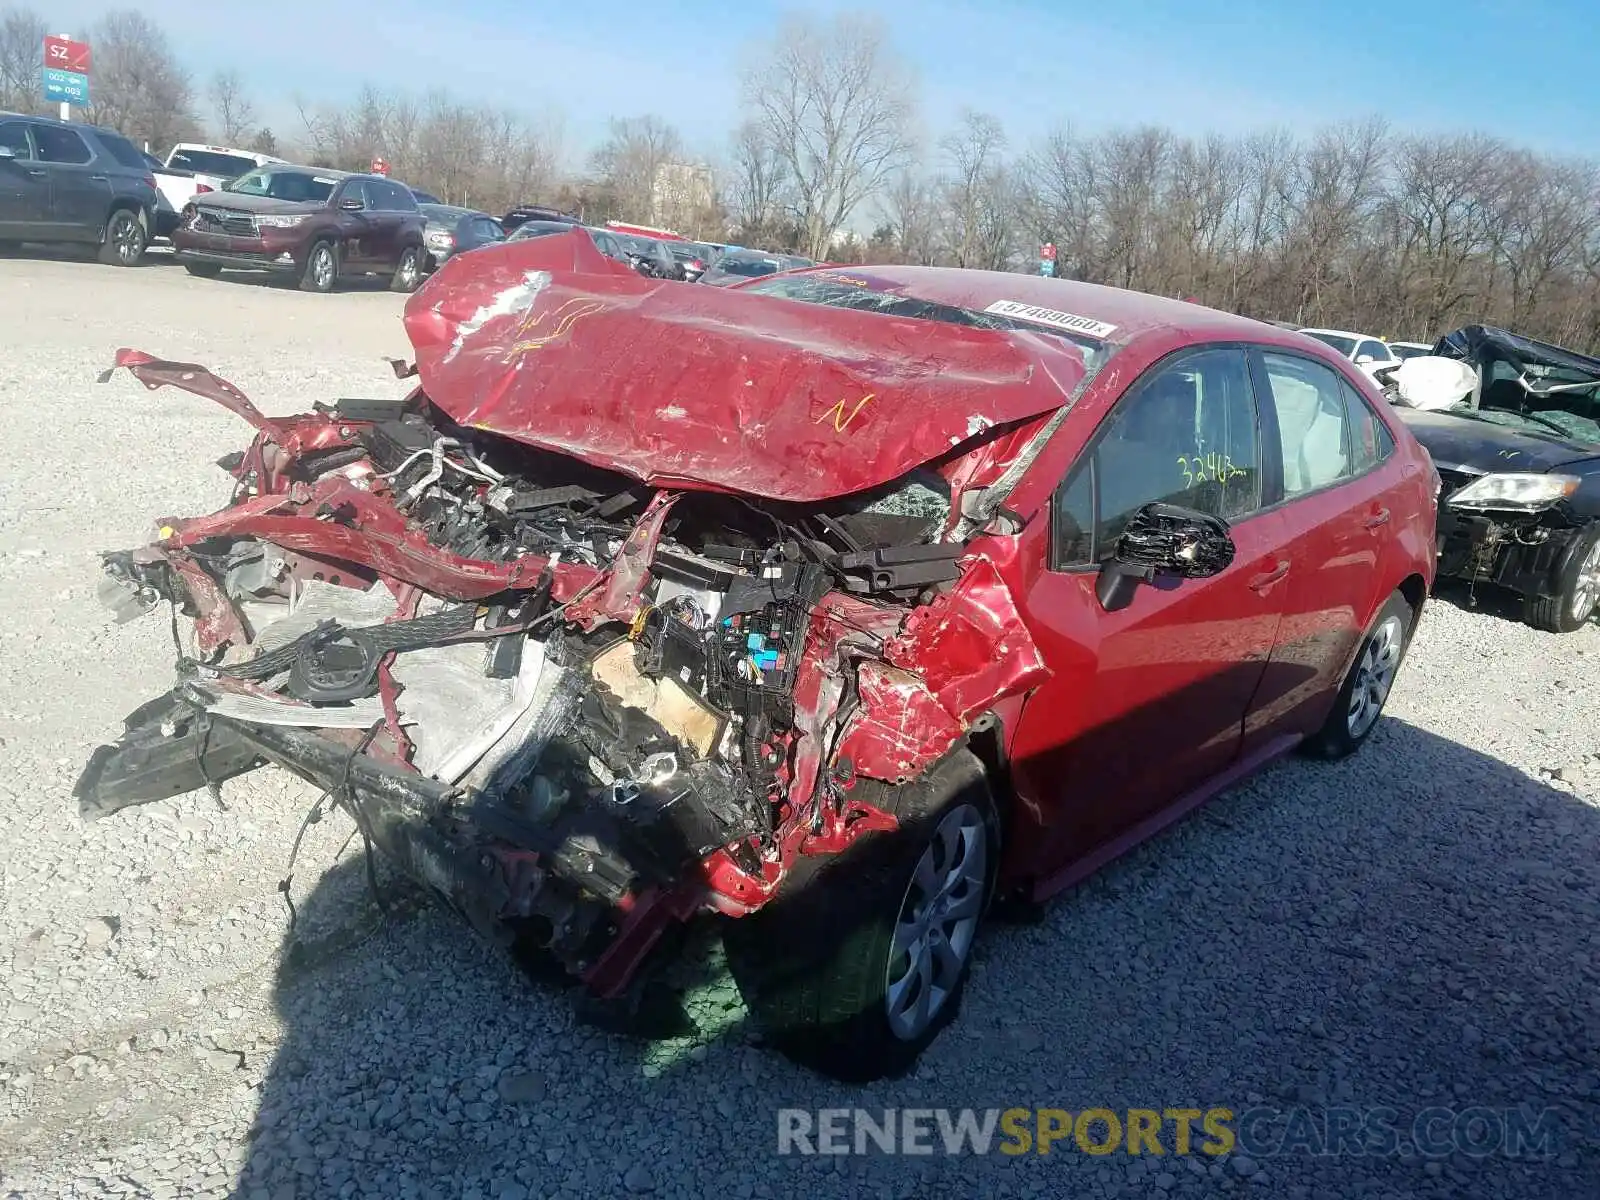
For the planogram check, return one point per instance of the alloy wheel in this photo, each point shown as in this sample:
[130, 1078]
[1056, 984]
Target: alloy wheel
[1586, 587]
[126, 235]
[408, 269]
[1375, 671]
[938, 922]
[322, 268]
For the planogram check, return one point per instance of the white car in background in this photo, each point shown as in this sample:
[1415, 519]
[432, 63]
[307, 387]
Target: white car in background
[191, 169]
[1367, 352]
[1405, 350]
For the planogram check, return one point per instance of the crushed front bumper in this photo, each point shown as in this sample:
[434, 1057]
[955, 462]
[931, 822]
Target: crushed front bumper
[1523, 552]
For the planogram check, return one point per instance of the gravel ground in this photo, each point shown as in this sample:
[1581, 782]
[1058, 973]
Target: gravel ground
[1412, 928]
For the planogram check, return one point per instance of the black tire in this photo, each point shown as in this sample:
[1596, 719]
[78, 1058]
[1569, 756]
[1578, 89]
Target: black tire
[1343, 733]
[1578, 593]
[322, 268]
[203, 270]
[125, 239]
[813, 964]
[407, 275]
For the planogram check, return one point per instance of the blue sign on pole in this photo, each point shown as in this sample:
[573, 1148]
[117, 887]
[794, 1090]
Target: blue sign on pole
[66, 87]
[1047, 266]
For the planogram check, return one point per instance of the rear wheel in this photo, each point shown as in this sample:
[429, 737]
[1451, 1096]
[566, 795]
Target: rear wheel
[125, 239]
[860, 960]
[322, 268]
[1366, 688]
[408, 272]
[1577, 595]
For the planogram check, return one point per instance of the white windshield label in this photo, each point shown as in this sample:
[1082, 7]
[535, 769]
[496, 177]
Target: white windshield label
[1049, 316]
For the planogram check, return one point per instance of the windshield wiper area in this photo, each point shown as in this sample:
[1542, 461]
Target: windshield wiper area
[1559, 430]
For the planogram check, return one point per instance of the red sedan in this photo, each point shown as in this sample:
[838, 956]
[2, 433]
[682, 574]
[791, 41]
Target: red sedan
[882, 594]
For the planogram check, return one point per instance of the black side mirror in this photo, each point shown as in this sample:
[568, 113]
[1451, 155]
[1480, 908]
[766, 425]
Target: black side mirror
[1163, 541]
[6, 152]
[351, 204]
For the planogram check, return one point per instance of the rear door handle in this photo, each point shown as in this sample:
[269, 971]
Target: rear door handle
[1377, 517]
[36, 172]
[1266, 579]
[101, 178]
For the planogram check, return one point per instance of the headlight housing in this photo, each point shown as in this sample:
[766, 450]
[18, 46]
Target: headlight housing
[440, 239]
[272, 221]
[1518, 490]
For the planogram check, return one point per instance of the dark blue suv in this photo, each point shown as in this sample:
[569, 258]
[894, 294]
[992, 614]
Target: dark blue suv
[64, 182]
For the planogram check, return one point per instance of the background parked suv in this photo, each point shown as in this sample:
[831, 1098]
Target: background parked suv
[61, 182]
[316, 226]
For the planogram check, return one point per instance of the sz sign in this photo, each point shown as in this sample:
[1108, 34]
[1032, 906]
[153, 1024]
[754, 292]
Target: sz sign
[64, 54]
[66, 71]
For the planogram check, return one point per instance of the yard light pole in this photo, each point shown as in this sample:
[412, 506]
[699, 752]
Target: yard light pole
[66, 108]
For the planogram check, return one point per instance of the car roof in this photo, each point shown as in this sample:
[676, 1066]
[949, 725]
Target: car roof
[1132, 313]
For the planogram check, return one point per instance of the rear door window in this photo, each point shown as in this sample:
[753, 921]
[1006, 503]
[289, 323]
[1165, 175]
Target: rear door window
[1313, 430]
[390, 197]
[1370, 440]
[57, 145]
[1185, 434]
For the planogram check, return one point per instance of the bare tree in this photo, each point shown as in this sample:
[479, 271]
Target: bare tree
[912, 217]
[836, 105]
[980, 194]
[757, 190]
[234, 115]
[630, 160]
[22, 34]
[139, 87]
[1059, 194]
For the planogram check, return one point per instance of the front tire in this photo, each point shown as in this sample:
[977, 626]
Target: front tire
[861, 958]
[1578, 593]
[321, 270]
[125, 239]
[1367, 684]
[408, 272]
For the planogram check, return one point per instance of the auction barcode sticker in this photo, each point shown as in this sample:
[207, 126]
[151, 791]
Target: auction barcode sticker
[1049, 316]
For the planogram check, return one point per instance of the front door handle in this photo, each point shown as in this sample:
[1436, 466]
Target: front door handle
[1266, 579]
[36, 172]
[101, 178]
[1377, 518]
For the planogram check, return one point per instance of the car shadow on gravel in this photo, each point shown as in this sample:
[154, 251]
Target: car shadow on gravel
[1410, 931]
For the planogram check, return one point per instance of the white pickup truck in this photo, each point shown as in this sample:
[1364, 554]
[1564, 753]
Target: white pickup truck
[192, 168]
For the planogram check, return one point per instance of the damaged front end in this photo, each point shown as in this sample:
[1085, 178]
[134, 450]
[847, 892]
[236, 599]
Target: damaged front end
[575, 706]
[1518, 544]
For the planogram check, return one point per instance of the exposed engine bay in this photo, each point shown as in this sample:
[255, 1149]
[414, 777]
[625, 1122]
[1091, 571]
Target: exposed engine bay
[574, 705]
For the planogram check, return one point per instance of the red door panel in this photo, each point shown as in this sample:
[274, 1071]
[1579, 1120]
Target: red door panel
[1148, 702]
[1334, 540]
[1336, 531]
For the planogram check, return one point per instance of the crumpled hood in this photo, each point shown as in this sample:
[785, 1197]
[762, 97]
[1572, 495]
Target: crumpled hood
[245, 202]
[1484, 446]
[551, 343]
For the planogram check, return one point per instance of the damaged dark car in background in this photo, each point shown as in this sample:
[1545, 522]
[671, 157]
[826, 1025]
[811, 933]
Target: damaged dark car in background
[796, 631]
[1513, 426]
